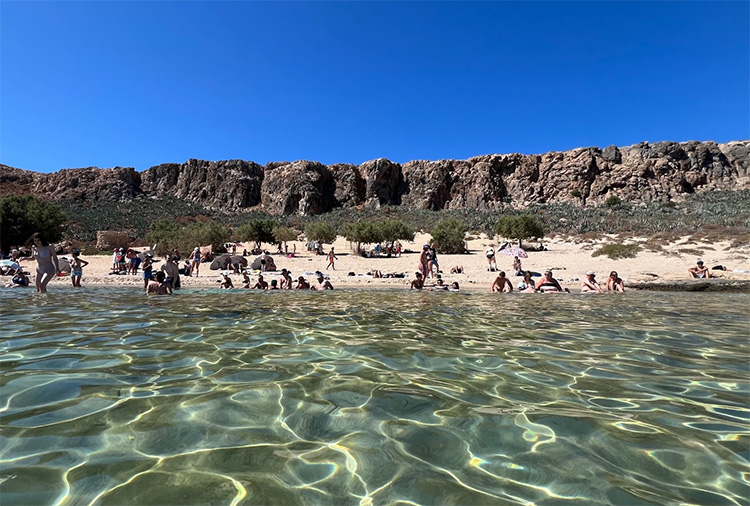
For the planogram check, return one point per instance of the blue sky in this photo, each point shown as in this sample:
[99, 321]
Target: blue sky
[136, 84]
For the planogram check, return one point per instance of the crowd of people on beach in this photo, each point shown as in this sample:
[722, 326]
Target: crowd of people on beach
[167, 278]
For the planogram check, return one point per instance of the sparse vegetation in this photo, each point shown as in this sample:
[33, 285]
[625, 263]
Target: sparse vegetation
[321, 232]
[612, 201]
[617, 251]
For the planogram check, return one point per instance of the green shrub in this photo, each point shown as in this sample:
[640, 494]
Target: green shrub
[165, 233]
[617, 251]
[520, 227]
[168, 235]
[22, 216]
[449, 236]
[612, 201]
[576, 193]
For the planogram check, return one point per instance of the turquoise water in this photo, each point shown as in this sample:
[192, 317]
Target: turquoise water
[373, 397]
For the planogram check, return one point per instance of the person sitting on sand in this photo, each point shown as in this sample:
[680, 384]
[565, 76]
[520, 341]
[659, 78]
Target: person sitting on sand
[527, 279]
[323, 284]
[615, 283]
[418, 283]
[245, 280]
[226, 282]
[20, 280]
[524, 287]
[286, 280]
[302, 284]
[158, 286]
[459, 269]
[261, 284]
[76, 269]
[517, 266]
[490, 254]
[501, 284]
[699, 271]
[274, 285]
[589, 284]
[548, 284]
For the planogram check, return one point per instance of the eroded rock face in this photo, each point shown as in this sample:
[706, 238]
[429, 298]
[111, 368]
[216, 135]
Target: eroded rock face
[300, 187]
[643, 172]
[119, 183]
[228, 185]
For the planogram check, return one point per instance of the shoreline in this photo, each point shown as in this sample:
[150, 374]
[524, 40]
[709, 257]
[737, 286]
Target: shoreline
[663, 270]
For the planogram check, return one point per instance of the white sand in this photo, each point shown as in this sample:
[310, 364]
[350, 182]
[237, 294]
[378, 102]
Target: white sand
[568, 259]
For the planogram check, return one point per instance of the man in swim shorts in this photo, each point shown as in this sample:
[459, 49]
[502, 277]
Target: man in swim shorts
[699, 271]
[589, 284]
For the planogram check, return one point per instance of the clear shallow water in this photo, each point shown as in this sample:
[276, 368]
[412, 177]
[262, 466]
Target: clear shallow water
[367, 397]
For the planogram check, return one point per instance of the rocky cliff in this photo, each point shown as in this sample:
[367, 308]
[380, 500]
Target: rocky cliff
[587, 176]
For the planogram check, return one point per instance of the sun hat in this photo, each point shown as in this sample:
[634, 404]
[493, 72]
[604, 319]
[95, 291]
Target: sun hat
[522, 285]
[591, 273]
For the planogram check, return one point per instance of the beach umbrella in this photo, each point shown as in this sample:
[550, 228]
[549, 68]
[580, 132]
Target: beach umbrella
[220, 262]
[514, 252]
[256, 265]
[239, 259]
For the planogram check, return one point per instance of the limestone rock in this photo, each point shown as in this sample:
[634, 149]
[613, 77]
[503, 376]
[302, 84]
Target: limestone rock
[107, 240]
[300, 187]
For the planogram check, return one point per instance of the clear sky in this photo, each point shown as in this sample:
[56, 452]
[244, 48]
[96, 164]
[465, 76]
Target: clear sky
[136, 84]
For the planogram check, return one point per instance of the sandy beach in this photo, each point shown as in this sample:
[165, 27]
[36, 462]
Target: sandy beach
[568, 259]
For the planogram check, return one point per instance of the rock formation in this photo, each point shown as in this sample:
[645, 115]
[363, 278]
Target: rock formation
[586, 176]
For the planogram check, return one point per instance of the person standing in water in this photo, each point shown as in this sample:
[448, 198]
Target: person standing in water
[76, 268]
[47, 265]
[331, 257]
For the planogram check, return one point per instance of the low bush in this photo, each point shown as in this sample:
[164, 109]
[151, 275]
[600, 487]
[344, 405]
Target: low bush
[617, 251]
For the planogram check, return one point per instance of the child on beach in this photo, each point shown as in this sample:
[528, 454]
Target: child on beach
[76, 268]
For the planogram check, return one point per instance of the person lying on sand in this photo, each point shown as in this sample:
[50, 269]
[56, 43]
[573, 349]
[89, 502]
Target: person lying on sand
[615, 283]
[501, 284]
[699, 271]
[458, 269]
[589, 284]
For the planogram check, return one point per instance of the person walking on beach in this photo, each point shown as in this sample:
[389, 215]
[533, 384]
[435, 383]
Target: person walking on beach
[331, 257]
[501, 284]
[615, 283]
[195, 265]
[76, 268]
[434, 261]
[590, 285]
[47, 265]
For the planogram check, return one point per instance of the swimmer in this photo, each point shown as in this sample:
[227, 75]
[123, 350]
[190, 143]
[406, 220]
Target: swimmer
[418, 283]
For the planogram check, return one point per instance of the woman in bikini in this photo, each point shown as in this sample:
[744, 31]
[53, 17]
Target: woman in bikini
[47, 265]
[548, 284]
[615, 283]
[76, 269]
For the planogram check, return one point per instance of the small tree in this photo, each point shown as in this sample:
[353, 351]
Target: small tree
[282, 234]
[393, 230]
[520, 227]
[361, 232]
[165, 233]
[448, 236]
[22, 216]
[259, 230]
[321, 232]
[202, 234]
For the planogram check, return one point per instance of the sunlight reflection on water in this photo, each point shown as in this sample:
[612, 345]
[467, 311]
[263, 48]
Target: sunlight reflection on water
[359, 397]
